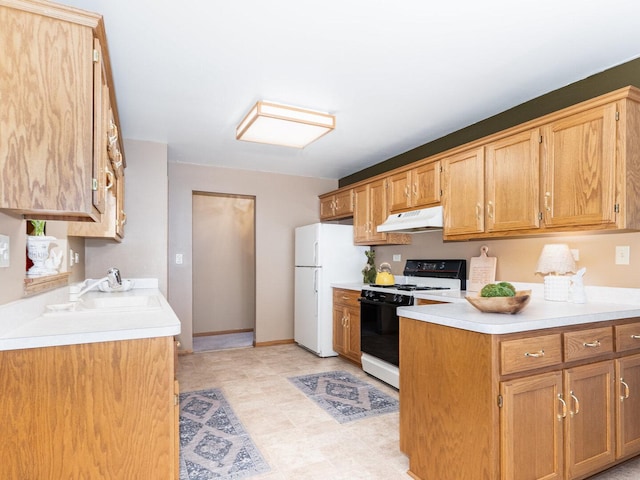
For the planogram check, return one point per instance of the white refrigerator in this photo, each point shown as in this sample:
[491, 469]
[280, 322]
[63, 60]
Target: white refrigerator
[324, 254]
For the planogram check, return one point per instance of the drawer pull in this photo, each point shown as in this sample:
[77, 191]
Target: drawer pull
[564, 408]
[635, 337]
[625, 395]
[577, 404]
[595, 343]
[535, 355]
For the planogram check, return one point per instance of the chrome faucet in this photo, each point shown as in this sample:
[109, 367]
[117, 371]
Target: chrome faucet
[113, 278]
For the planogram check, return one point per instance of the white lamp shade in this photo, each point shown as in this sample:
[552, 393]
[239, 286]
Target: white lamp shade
[556, 258]
[277, 124]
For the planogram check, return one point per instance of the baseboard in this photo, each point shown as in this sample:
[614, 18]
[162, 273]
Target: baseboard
[222, 332]
[273, 342]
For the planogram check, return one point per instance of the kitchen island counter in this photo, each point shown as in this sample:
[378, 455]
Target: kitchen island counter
[538, 314]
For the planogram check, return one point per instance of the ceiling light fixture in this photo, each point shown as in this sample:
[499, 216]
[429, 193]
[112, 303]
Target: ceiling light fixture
[277, 124]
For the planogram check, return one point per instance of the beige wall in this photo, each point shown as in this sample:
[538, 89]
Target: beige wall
[143, 251]
[283, 202]
[517, 258]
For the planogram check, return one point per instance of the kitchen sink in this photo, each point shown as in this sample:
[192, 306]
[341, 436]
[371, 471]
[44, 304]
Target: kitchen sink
[107, 304]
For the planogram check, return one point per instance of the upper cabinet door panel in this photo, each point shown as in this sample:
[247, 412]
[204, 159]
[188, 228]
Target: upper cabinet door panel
[579, 168]
[513, 182]
[46, 136]
[463, 192]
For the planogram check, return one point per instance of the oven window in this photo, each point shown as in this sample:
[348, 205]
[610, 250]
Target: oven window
[379, 331]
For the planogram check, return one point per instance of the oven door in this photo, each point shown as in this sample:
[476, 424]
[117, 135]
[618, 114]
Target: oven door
[379, 327]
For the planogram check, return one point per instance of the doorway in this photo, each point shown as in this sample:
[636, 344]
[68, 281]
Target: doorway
[223, 248]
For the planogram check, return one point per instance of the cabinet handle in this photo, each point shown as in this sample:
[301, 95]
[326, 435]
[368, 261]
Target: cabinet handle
[576, 402]
[547, 197]
[564, 408]
[415, 190]
[109, 179]
[345, 297]
[625, 395]
[490, 209]
[124, 216]
[478, 210]
[635, 337]
[537, 354]
[594, 344]
[406, 191]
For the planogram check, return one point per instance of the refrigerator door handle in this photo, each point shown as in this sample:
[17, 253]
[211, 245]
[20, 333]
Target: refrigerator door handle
[315, 281]
[315, 253]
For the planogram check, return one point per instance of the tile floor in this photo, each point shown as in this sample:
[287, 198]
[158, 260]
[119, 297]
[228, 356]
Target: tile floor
[298, 439]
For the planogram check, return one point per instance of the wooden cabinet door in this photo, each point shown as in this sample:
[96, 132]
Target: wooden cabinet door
[352, 315]
[531, 428]
[513, 183]
[628, 406]
[339, 327]
[399, 189]
[579, 169]
[327, 207]
[463, 193]
[46, 134]
[377, 210]
[361, 214]
[343, 203]
[589, 426]
[425, 185]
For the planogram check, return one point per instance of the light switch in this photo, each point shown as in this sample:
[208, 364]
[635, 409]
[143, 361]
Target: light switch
[179, 259]
[5, 251]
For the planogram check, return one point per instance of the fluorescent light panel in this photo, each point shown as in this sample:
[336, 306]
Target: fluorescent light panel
[277, 124]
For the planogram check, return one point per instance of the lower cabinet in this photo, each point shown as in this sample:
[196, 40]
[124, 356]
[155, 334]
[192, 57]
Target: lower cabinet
[98, 410]
[346, 324]
[566, 401]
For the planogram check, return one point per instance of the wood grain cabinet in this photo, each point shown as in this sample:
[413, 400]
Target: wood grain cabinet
[51, 139]
[551, 404]
[346, 323]
[96, 410]
[336, 205]
[370, 210]
[418, 187]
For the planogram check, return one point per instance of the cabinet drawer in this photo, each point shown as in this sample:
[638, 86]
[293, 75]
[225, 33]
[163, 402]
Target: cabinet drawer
[587, 343]
[627, 336]
[530, 353]
[346, 297]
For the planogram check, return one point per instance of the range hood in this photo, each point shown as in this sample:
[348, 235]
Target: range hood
[415, 221]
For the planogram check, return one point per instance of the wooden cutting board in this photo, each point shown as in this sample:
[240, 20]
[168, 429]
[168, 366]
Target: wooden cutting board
[482, 270]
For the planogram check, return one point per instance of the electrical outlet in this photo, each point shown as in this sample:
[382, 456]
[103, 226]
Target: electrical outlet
[71, 258]
[397, 257]
[5, 251]
[76, 257]
[622, 255]
[179, 259]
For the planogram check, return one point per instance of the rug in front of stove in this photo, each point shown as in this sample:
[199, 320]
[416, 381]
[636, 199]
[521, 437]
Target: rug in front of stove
[213, 442]
[345, 397]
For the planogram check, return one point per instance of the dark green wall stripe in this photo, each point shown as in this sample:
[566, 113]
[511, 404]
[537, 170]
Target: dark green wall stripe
[598, 84]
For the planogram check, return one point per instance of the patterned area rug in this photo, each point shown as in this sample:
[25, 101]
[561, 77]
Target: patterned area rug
[345, 397]
[213, 442]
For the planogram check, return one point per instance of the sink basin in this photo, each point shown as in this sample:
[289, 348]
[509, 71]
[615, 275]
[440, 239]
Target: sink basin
[107, 304]
[120, 303]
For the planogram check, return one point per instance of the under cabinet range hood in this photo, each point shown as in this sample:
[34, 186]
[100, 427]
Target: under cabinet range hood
[415, 221]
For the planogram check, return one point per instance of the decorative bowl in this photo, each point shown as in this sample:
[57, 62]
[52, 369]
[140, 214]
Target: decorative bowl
[510, 305]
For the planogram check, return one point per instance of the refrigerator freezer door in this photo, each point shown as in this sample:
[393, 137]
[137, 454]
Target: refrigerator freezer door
[307, 246]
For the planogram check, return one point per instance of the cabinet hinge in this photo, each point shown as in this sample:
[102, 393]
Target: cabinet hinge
[499, 401]
[441, 169]
[539, 215]
[176, 399]
[94, 184]
[616, 208]
[540, 139]
[617, 116]
[96, 56]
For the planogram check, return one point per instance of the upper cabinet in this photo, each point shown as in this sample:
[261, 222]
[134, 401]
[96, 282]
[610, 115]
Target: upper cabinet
[415, 188]
[370, 210]
[336, 205]
[53, 70]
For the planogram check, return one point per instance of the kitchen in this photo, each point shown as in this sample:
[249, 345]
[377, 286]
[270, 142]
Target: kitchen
[159, 217]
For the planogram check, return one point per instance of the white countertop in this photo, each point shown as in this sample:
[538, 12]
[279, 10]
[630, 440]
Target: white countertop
[603, 304]
[24, 324]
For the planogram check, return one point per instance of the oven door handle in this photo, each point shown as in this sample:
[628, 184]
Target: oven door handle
[366, 301]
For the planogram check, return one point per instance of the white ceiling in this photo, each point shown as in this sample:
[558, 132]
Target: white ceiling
[396, 74]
